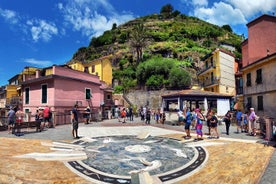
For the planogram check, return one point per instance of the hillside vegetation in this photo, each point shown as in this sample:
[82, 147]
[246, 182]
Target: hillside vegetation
[158, 51]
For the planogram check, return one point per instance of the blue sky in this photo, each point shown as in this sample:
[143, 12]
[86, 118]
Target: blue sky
[41, 33]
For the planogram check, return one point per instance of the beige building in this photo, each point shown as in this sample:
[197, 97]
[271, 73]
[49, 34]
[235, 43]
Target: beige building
[218, 72]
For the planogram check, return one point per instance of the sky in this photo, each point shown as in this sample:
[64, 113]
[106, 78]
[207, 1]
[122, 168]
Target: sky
[40, 33]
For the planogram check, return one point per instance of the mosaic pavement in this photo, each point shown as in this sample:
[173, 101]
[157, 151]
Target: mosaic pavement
[114, 154]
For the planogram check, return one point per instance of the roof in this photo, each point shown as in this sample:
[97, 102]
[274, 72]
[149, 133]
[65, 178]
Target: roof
[196, 93]
[263, 17]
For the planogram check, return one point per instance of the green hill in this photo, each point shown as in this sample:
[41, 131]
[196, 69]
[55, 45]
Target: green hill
[155, 51]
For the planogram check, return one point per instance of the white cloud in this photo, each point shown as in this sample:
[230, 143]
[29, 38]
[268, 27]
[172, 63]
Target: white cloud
[200, 2]
[220, 14]
[9, 16]
[250, 7]
[42, 30]
[87, 16]
[38, 63]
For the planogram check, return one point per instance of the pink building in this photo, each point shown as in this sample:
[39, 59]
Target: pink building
[261, 39]
[60, 88]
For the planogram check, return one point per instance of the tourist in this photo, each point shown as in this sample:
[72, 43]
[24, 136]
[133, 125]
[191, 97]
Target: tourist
[40, 116]
[11, 119]
[194, 119]
[252, 121]
[123, 115]
[19, 119]
[130, 113]
[148, 115]
[38, 122]
[214, 125]
[227, 121]
[244, 126]
[46, 116]
[188, 121]
[199, 124]
[157, 115]
[180, 115]
[239, 120]
[208, 117]
[87, 115]
[75, 122]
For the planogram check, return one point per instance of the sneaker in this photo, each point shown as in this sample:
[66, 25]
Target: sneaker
[187, 137]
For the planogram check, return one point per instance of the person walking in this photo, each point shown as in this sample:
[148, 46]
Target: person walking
[239, 120]
[252, 121]
[11, 119]
[227, 121]
[75, 122]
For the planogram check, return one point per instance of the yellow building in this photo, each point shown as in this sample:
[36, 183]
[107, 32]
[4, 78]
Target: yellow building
[218, 72]
[13, 89]
[101, 67]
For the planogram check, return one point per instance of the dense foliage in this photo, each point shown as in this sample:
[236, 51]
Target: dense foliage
[159, 50]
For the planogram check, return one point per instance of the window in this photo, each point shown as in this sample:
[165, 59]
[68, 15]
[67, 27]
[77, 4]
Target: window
[27, 95]
[249, 102]
[108, 97]
[260, 103]
[248, 79]
[259, 76]
[86, 70]
[93, 68]
[88, 94]
[44, 93]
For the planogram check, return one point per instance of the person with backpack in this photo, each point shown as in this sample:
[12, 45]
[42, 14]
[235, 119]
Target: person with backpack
[188, 122]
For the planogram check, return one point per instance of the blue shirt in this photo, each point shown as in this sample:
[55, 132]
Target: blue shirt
[75, 112]
[189, 117]
[239, 115]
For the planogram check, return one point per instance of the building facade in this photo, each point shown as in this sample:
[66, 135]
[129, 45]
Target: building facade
[60, 88]
[101, 67]
[259, 65]
[218, 72]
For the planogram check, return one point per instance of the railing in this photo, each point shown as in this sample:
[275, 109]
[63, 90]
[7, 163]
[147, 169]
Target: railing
[206, 69]
[211, 82]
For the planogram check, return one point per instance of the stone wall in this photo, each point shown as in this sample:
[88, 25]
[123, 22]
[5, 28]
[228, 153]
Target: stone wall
[151, 98]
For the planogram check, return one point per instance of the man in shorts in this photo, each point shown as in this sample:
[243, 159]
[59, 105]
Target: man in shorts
[11, 118]
[188, 122]
[75, 122]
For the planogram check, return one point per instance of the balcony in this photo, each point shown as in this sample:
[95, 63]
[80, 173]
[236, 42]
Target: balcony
[210, 82]
[207, 69]
[14, 101]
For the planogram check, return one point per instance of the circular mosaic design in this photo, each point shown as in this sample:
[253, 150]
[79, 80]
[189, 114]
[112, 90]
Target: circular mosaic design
[115, 159]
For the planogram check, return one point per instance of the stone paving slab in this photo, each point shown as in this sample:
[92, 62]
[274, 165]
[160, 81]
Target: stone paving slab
[239, 160]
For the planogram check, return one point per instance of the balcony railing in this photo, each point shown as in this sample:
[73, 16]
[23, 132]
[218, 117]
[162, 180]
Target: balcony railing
[13, 101]
[204, 70]
[211, 82]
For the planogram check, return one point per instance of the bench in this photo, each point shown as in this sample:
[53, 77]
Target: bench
[16, 129]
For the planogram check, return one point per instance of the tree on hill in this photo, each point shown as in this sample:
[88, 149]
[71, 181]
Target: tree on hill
[166, 10]
[138, 40]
